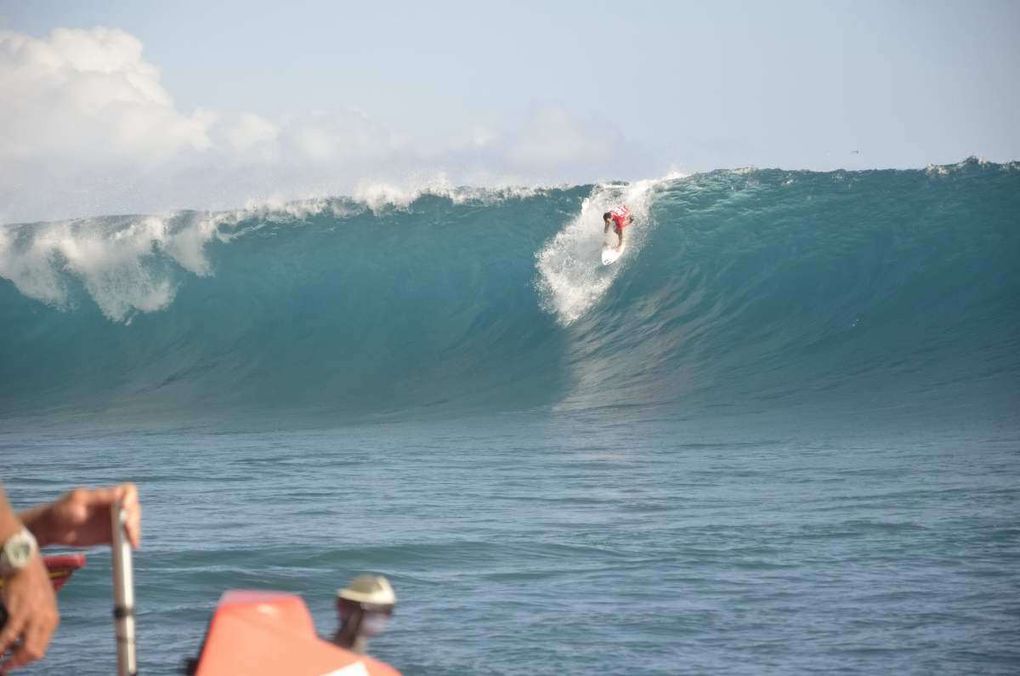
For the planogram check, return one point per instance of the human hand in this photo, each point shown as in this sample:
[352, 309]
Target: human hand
[81, 518]
[32, 614]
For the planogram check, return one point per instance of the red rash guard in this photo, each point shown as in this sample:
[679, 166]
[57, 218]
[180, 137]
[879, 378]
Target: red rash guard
[621, 217]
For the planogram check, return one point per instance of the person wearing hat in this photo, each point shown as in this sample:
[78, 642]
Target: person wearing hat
[365, 606]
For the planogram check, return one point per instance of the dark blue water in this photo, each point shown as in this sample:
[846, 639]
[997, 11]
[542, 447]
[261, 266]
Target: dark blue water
[781, 436]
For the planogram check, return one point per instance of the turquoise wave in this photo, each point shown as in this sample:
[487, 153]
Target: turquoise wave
[742, 291]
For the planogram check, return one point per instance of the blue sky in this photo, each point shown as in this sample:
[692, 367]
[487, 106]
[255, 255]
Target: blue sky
[556, 91]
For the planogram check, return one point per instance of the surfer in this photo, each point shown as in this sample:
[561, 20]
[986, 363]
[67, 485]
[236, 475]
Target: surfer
[617, 218]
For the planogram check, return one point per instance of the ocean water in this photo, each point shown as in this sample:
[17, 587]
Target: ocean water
[782, 435]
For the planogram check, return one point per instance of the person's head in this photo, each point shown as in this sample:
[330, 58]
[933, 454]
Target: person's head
[608, 216]
[364, 607]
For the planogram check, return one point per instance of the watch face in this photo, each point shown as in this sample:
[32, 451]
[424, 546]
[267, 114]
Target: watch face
[16, 552]
[20, 553]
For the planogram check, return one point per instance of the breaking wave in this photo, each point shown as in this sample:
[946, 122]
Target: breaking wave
[743, 290]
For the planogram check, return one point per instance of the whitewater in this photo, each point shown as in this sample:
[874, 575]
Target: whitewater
[781, 434]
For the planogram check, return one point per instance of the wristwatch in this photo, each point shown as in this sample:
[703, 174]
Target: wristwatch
[17, 552]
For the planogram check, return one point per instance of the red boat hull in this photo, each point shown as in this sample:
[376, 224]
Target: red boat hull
[60, 568]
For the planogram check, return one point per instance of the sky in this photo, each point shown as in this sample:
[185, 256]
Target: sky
[128, 107]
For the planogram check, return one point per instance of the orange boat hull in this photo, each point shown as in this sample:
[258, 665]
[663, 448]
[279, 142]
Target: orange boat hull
[270, 633]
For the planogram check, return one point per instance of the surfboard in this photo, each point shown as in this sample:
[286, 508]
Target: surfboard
[609, 251]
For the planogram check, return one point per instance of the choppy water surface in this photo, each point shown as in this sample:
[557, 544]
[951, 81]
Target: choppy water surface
[571, 545]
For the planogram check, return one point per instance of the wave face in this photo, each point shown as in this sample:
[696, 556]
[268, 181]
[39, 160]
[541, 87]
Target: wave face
[741, 291]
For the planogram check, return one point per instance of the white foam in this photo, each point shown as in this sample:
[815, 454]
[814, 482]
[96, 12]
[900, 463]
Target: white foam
[259, 213]
[571, 278]
[947, 169]
[118, 264]
[132, 265]
[31, 270]
[379, 196]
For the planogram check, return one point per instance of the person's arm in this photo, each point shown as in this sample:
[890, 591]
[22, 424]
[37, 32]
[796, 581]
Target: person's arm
[9, 521]
[28, 598]
[81, 518]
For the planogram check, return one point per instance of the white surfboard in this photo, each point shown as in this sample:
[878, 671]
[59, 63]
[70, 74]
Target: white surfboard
[610, 252]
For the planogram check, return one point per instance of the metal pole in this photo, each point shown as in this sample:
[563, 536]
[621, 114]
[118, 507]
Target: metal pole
[123, 595]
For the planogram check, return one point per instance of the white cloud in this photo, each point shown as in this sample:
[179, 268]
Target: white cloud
[87, 128]
[88, 92]
[251, 132]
